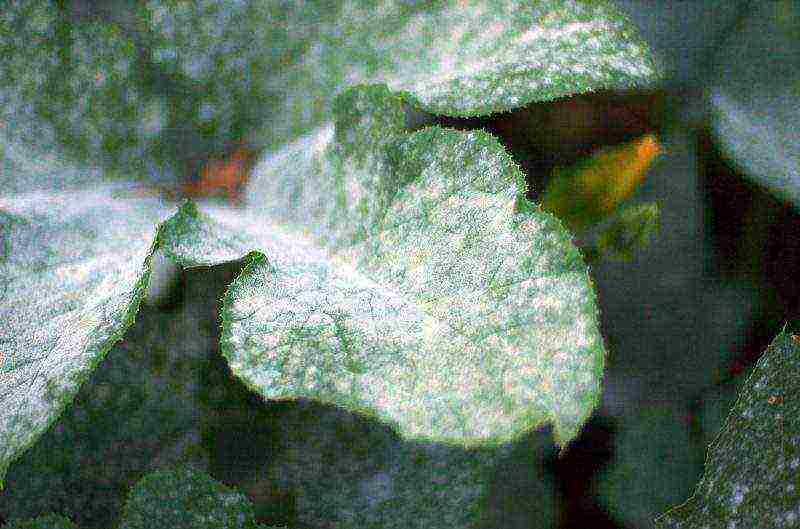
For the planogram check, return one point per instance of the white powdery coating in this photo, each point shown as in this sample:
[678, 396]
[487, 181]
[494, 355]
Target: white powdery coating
[378, 319]
[437, 341]
[302, 296]
[47, 359]
[756, 144]
[463, 58]
[269, 193]
[556, 47]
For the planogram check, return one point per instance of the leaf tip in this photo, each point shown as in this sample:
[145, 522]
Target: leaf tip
[648, 148]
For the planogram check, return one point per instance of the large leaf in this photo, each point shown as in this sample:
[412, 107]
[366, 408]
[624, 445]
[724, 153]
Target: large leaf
[754, 98]
[136, 400]
[752, 471]
[399, 275]
[457, 59]
[463, 329]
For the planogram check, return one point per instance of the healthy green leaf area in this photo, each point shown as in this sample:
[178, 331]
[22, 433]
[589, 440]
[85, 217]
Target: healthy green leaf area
[401, 275]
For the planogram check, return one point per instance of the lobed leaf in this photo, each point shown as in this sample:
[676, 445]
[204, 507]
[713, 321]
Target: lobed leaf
[451, 314]
[400, 275]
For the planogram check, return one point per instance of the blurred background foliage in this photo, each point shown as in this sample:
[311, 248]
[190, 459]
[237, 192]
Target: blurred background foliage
[695, 264]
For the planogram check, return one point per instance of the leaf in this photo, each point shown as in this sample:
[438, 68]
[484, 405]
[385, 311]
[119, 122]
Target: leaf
[630, 230]
[591, 190]
[385, 349]
[754, 96]
[138, 404]
[184, 498]
[483, 321]
[751, 472]
[458, 61]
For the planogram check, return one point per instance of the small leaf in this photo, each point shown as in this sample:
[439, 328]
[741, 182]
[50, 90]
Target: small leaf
[631, 230]
[185, 498]
[592, 189]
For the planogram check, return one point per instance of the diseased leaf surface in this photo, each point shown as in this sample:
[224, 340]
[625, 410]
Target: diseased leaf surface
[270, 70]
[752, 474]
[462, 327]
[392, 274]
[75, 275]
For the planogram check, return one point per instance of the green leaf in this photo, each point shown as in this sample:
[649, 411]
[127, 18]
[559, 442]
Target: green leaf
[184, 498]
[402, 276]
[752, 476]
[94, 100]
[754, 97]
[459, 327]
[631, 229]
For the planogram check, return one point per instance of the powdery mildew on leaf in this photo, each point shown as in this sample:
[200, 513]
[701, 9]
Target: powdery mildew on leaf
[458, 58]
[456, 318]
[544, 49]
[351, 203]
[752, 474]
[85, 258]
